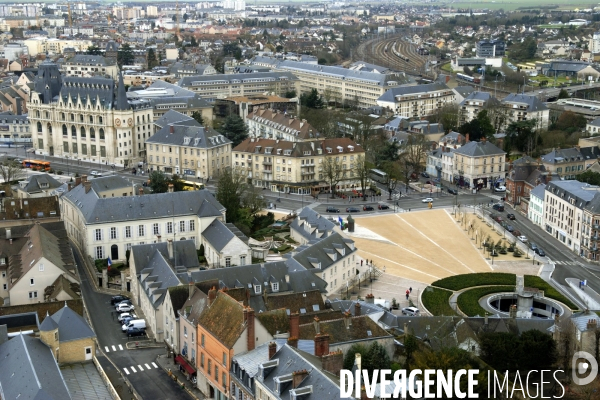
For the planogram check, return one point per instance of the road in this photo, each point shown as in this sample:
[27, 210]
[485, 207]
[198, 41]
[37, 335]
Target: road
[137, 365]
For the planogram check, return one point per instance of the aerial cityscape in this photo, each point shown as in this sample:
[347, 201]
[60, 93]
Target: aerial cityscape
[180, 182]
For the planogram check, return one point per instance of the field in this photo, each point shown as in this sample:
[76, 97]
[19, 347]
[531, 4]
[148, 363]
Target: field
[511, 5]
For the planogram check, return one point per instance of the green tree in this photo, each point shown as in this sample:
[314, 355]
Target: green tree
[193, 42]
[479, 127]
[563, 94]
[230, 186]
[377, 357]
[521, 135]
[177, 183]
[125, 55]
[351, 355]
[197, 115]
[232, 50]
[93, 51]
[591, 177]
[312, 99]
[393, 175]
[290, 94]
[537, 350]
[569, 122]
[234, 129]
[152, 61]
[159, 182]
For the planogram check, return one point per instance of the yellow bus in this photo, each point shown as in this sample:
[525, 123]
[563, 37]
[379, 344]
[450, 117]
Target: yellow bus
[190, 185]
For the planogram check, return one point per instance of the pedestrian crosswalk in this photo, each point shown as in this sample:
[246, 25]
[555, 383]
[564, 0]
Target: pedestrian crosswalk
[113, 348]
[572, 263]
[135, 368]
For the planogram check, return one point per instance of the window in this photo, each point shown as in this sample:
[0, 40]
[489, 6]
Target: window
[4, 286]
[224, 359]
[32, 282]
[227, 261]
[201, 360]
[181, 226]
[209, 369]
[256, 289]
[216, 373]
[113, 233]
[141, 231]
[202, 340]
[128, 231]
[98, 234]
[242, 260]
[192, 225]
[99, 252]
[224, 379]
[185, 331]
[33, 295]
[169, 227]
[41, 267]
[275, 286]
[192, 337]
[155, 229]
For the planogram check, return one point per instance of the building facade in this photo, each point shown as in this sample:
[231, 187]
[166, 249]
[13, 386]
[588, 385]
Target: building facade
[568, 163]
[417, 101]
[269, 124]
[475, 165]
[87, 66]
[523, 107]
[535, 211]
[491, 48]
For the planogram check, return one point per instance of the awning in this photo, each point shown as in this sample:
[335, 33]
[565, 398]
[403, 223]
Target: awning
[181, 361]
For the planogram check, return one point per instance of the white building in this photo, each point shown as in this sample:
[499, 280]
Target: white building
[535, 211]
[12, 51]
[224, 246]
[417, 101]
[594, 43]
[87, 66]
[269, 124]
[524, 107]
[475, 165]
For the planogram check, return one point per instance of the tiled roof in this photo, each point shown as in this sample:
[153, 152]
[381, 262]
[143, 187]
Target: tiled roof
[361, 327]
[298, 149]
[224, 319]
[310, 301]
[392, 93]
[283, 122]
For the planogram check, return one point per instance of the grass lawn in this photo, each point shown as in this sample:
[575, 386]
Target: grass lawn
[511, 5]
[436, 301]
[468, 301]
[549, 291]
[458, 282]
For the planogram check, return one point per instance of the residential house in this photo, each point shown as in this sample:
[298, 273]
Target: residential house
[434, 164]
[296, 167]
[475, 164]
[452, 139]
[225, 245]
[188, 316]
[108, 227]
[585, 325]
[269, 124]
[37, 185]
[68, 336]
[417, 101]
[593, 127]
[111, 186]
[590, 229]
[245, 369]
[184, 147]
[225, 328]
[567, 163]
[524, 107]
[14, 128]
[180, 69]
[535, 211]
[309, 226]
[83, 65]
[525, 174]
[156, 268]
[473, 104]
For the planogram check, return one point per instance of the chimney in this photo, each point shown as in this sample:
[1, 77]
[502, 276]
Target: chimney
[171, 129]
[293, 341]
[317, 325]
[69, 187]
[8, 233]
[170, 248]
[592, 324]
[294, 325]
[212, 295]
[88, 186]
[251, 336]
[158, 238]
[406, 328]
[333, 362]
[190, 290]
[141, 191]
[357, 309]
[370, 298]
[358, 361]
[83, 178]
[77, 181]
[171, 188]
[347, 320]
[467, 138]
[321, 345]
[298, 377]
[272, 349]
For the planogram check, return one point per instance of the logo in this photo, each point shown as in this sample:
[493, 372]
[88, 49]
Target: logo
[584, 367]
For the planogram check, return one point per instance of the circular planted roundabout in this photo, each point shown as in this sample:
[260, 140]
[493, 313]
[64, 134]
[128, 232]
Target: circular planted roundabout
[495, 293]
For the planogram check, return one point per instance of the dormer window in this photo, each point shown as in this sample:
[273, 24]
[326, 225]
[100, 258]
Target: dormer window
[257, 289]
[186, 140]
[275, 286]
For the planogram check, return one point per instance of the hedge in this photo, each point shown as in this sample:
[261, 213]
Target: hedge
[549, 291]
[468, 301]
[464, 281]
[437, 301]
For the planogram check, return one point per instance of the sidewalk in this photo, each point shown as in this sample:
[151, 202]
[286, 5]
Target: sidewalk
[167, 364]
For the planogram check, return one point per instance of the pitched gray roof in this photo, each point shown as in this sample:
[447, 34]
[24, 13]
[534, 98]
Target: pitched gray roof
[97, 210]
[89, 60]
[29, 371]
[109, 182]
[184, 253]
[218, 235]
[307, 257]
[39, 183]
[538, 191]
[95, 88]
[572, 154]
[71, 326]
[533, 103]
[479, 149]
[236, 78]
[172, 117]
[188, 136]
[311, 225]
[581, 192]
[581, 319]
[390, 95]
[156, 276]
[479, 96]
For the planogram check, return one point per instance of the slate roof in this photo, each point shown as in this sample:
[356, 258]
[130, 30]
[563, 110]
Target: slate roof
[71, 326]
[109, 183]
[193, 307]
[29, 371]
[479, 149]
[196, 80]
[572, 66]
[392, 93]
[224, 319]
[97, 89]
[581, 192]
[95, 60]
[156, 276]
[184, 253]
[581, 319]
[532, 102]
[478, 96]
[538, 191]
[217, 235]
[283, 122]
[310, 301]
[595, 122]
[194, 136]
[174, 117]
[310, 256]
[557, 156]
[298, 149]
[39, 183]
[249, 361]
[312, 225]
[464, 91]
[96, 210]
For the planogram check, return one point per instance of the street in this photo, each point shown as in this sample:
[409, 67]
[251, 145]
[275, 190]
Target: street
[136, 365]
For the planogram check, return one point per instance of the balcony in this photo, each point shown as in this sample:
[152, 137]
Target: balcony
[308, 165]
[267, 163]
[596, 226]
[595, 237]
[307, 173]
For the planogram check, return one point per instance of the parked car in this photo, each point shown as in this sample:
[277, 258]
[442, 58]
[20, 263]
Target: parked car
[95, 173]
[124, 308]
[134, 323]
[522, 238]
[332, 209]
[383, 207]
[516, 232]
[498, 219]
[510, 228]
[452, 191]
[127, 301]
[368, 208]
[510, 216]
[498, 207]
[122, 317]
[136, 332]
[352, 209]
[427, 200]
[533, 246]
[424, 174]
[500, 189]
[117, 299]
[411, 311]
[540, 252]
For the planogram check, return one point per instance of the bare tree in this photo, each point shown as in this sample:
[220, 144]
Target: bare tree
[333, 172]
[393, 174]
[414, 152]
[361, 172]
[12, 171]
[252, 199]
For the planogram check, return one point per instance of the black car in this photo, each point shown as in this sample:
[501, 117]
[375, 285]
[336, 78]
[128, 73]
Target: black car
[425, 175]
[117, 299]
[510, 216]
[498, 207]
[352, 209]
[383, 207]
[533, 246]
[452, 191]
[540, 252]
[510, 228]
[332, 209]
[368, 208]
[136, 332]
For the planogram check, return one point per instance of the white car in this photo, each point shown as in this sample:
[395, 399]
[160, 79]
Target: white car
[411, 311]
[126, 315]
[522, 238]
[427, 200]
[95, 173]
[500, 189]
[125, 308]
